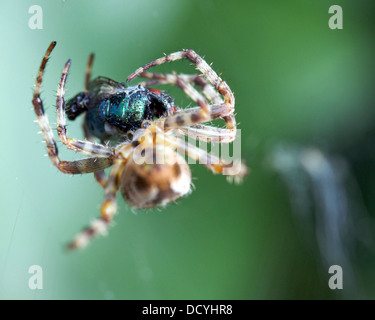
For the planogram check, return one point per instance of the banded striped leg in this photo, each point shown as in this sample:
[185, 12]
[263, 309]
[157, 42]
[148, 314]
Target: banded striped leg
[236, 170]
[208, 90]
[187, 117]
[100, 176]
[85, 147]
[213, 97]
[217, 111]
[88, 72]
[71, 167]
[199, 131]
[200, 64]
[213, 134]
[208, 133]
[202, 115]
[159, 78]
[108, 209]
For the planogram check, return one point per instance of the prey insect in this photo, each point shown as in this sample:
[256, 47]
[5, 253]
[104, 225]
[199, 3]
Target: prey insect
[126, 118]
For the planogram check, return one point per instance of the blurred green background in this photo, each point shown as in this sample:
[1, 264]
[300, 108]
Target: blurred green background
[297, 84]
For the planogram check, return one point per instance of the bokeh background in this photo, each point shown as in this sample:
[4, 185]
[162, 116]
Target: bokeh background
[305, 102]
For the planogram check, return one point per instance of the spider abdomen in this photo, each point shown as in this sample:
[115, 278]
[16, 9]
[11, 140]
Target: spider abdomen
[151, 184]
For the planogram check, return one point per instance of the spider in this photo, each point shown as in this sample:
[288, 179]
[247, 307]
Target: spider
[125, 118]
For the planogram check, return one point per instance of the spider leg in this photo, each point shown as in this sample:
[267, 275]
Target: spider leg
[181, 82]
[235, 170]
[208, 90]
[187, 117]
[71, 167]
[220, 85]
[88, 72]
[85, 147]
[200, 64]
[192, 116]
[197, 131]
[209, 133]
[87, 165]
[213, 96]
[203, 115]
[160, 78]
[100, 176]
[108, 209]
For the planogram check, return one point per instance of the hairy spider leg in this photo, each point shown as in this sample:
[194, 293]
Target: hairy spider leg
[88, 72]
[209, 133]
[161, 78]
[184, 119]
[109, 206]
[189, 117]
[198, 131]
[208, 90]
[85, 147]
[71, 167]
[235, 170]
[100, 176]
[214, 97]
[217, 111]
[201, 65]
[108, 209]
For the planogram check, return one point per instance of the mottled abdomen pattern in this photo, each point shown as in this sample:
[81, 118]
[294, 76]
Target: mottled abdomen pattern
[150, 184]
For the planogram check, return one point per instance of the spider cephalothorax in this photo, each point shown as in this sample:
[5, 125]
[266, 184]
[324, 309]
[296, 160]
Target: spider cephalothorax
[137, 128]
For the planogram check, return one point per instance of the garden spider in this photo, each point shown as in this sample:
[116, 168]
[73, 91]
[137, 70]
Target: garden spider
[140, 117]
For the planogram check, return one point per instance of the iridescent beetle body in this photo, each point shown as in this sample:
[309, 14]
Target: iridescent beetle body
[111, 115]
